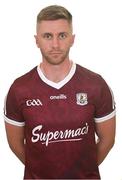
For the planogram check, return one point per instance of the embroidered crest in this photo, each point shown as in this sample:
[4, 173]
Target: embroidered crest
[81, 99]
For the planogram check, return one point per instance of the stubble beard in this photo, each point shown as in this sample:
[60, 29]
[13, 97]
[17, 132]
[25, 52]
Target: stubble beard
[57, 59]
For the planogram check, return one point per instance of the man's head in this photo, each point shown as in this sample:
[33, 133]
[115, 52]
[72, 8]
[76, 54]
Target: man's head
[54, 33]
[54, 12]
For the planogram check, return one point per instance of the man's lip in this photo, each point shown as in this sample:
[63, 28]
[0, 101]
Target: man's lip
[55, 53]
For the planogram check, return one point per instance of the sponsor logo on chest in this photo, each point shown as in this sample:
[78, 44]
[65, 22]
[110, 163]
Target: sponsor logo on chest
[67, 135]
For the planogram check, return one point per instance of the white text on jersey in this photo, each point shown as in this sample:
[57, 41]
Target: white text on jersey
[61, 96]
[58, 136]
[33, 102]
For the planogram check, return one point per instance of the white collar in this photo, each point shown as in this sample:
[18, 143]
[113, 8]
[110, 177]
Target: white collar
[62, 82]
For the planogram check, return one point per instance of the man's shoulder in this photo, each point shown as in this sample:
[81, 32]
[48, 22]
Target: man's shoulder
[26, 79]
[89, 77]
[86, 72]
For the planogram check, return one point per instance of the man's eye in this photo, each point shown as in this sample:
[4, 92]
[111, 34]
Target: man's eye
[62, 36]
[47, 36]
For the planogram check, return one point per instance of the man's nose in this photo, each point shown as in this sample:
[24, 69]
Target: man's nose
[55, 42]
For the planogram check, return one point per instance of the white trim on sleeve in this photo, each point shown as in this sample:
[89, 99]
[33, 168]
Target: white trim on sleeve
[105, 118]
[13, 122]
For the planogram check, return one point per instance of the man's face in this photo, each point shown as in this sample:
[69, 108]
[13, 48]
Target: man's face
[54, 38]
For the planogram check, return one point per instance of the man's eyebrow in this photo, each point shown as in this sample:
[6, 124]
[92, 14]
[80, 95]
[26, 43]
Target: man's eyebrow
[47, 33]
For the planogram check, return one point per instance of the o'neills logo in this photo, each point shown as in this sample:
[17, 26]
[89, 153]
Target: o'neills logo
[58, 136]
[61, 96]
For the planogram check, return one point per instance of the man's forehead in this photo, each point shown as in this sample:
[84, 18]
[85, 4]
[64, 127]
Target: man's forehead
[54, 26]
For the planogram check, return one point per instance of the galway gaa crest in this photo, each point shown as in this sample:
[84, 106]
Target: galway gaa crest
[81, 99]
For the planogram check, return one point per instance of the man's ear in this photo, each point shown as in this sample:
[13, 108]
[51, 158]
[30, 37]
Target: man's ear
[36, 39]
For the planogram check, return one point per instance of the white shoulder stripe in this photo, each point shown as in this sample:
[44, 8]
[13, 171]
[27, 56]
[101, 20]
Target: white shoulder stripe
[105, 118]
[13, 122]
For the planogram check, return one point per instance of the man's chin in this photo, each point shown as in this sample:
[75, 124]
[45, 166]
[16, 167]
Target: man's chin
[55, 60]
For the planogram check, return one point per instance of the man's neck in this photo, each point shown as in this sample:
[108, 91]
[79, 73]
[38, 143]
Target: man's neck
[56, 73]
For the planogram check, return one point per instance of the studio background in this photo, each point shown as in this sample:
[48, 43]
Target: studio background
[98, 47]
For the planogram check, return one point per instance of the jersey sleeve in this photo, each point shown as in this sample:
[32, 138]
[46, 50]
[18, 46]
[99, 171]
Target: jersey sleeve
[12, 108]
[105, 105]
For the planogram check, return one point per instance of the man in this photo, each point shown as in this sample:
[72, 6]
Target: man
[54, 111]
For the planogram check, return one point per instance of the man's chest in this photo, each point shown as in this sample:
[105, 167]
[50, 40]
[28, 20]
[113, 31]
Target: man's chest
[69, 107]
[58, 116]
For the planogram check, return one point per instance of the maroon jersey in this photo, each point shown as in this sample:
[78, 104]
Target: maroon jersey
[59, 120]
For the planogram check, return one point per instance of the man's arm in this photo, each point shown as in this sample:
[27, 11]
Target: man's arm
[15, 136]
[106, 138]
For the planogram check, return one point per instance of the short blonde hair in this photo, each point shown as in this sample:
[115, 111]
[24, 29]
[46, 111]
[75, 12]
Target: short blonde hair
[54, 12]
